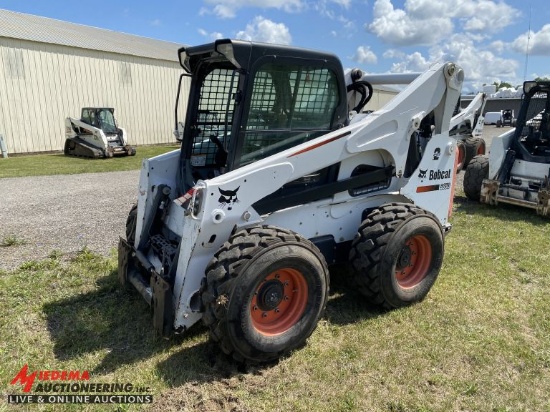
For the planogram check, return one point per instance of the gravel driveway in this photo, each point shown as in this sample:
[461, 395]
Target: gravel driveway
[64, 213]
[70, 212]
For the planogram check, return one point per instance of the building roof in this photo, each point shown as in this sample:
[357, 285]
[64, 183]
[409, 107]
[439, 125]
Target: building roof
[46, 30]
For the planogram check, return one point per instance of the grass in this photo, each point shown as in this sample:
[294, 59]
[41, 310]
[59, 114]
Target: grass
[12, 240]
[480, 341]
[59, 164]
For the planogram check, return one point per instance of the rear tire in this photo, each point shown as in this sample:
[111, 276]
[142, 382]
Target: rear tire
[265, 290]
[397, 255]
[475, 146]
[477, 170]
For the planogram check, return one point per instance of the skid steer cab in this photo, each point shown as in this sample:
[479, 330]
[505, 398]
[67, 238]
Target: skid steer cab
[96, 134]
[284, 170]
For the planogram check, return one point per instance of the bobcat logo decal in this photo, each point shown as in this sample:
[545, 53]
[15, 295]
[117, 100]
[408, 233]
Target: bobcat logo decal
[228, 198]
[422, 173]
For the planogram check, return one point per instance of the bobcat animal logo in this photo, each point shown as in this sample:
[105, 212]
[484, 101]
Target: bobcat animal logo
[228, 198]
[422, 173]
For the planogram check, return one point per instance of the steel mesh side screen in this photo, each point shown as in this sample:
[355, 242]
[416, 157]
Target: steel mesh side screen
[214, 115]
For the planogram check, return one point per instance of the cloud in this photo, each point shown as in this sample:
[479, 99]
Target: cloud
[344, 3]
[484, 15]
[267, 31]
[227, 9]
[397, 27]
[326, 8]
[155, 23]
[426, 22]
[213, 36]
[539, 42]
[393, 54]
[498, 46]
[480, 66]
[414, 62]
[364, 54]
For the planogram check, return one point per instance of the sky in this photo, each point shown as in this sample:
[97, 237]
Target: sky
[493, 41]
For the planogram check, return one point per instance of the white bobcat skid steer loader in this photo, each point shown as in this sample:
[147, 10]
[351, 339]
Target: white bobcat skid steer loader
[275, 179]
[517, 169]
[96, 134]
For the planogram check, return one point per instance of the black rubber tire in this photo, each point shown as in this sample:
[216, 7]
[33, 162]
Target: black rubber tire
[477, 170]
[461, 153]
[240, 275]
[131, 224]
[380, 251]
[475, 146]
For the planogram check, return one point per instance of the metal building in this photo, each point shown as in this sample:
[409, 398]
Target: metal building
[50, 69]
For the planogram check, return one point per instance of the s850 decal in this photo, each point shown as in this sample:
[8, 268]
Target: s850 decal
[431, 188]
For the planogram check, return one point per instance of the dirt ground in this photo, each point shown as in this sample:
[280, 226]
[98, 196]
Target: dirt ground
[63, 213]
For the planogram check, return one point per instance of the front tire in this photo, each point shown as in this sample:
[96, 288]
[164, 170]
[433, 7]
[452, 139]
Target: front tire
[397, 255]
[265, 290]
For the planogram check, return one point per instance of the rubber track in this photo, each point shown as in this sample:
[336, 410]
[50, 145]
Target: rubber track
[366, 250]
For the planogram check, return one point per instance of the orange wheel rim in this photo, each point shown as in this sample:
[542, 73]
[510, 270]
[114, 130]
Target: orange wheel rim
[279, 301]
[481, 149]
[413, 262]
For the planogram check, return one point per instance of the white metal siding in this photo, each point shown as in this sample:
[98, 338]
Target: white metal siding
[41, 84]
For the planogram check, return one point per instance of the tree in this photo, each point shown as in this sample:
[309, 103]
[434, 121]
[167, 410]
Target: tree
[501, 85]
